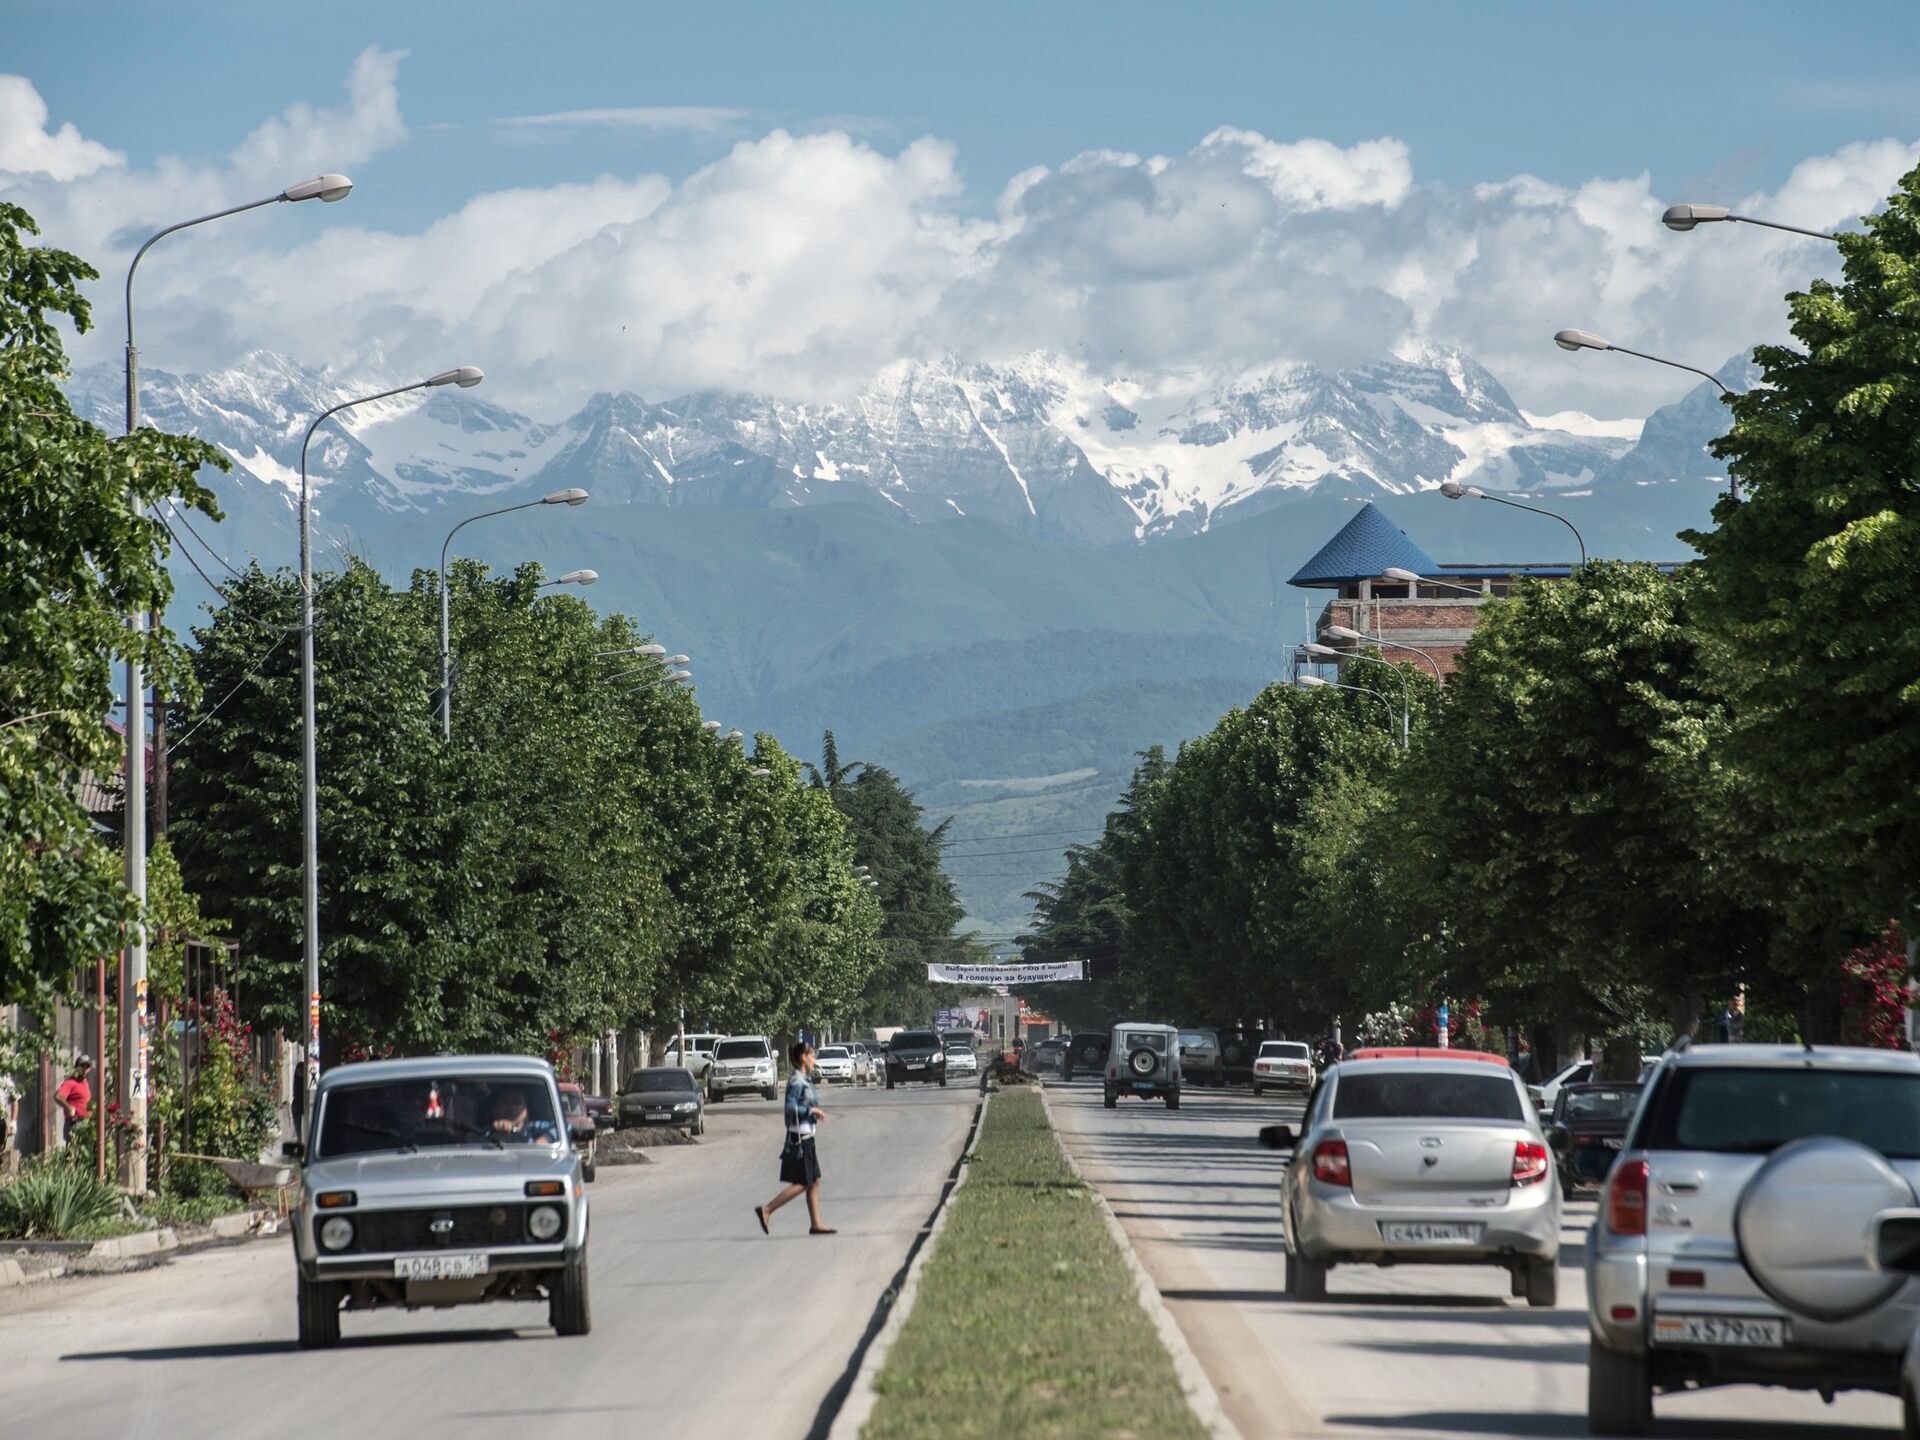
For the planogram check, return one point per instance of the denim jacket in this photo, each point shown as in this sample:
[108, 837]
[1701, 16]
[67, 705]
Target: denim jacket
[801, 1100]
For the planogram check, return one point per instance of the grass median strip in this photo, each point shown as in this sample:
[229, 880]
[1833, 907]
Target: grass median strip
[1026, 1322]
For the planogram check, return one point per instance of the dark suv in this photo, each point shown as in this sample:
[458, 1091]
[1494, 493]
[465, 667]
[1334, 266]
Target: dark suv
[916, 1055]
[1086, 1054]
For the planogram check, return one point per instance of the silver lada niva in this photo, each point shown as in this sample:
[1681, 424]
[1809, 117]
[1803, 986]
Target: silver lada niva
[441, 1181]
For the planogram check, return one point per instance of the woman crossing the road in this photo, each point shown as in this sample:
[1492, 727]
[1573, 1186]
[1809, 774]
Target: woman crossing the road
[799, 1165]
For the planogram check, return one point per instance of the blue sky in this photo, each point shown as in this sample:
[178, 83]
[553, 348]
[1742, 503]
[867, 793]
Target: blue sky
[1707, 101]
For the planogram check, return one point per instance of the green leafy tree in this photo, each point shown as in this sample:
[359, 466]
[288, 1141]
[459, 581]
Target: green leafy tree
[1808, 601]
[75, 559]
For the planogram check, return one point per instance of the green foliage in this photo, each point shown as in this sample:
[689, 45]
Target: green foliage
[1812, 634]
[229, 1110]
[53, 1200]
[76, 557]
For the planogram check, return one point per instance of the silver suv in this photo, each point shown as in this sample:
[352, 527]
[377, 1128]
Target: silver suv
[437, 1182]
[1144, 1060]
[743, 1062]
[1731, 1242]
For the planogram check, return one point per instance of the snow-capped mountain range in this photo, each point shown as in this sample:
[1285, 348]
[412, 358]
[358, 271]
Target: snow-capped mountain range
[1039, 443]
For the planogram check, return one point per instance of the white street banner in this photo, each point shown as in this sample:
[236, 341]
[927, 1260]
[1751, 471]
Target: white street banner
[991, 975]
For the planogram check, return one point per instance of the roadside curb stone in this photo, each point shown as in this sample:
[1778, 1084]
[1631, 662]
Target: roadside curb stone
[862, 1397]
[11, 1274]
[1202, 1398]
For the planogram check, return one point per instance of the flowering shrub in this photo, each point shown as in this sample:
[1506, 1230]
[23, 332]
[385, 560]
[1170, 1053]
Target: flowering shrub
[1873, 993]
[229, 1110]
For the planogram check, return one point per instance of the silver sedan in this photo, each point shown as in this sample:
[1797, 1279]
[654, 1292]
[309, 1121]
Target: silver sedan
[1421, 1157]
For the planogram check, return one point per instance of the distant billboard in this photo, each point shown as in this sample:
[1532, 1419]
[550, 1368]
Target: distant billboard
[990, 976]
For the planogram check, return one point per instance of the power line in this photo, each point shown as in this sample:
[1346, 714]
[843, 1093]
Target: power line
[990, 854]
[253, 674]
[188, 525]
[1022, 835]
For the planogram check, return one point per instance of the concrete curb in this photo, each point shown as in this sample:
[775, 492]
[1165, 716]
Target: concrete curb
[127, 1248]
[1202, 1398]
[11, 1274]
[862, 1397]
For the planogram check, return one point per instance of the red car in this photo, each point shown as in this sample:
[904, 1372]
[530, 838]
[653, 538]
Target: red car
[580, 1127]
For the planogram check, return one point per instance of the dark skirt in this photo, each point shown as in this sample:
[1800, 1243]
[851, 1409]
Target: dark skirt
[799, 1165]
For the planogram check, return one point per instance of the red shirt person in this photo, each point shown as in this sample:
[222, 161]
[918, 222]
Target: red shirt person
[75, 1095]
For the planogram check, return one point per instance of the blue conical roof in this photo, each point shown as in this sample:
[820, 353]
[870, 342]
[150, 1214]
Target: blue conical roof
[1366, 545]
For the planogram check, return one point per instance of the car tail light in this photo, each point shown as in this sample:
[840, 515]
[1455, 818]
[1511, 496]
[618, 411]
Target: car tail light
[1330, 1163]
[1627, 1198]
[1529, 1162]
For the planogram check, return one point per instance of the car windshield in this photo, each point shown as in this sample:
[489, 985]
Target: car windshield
[1425, 1095]
[1758, 1109]
[1284, 1050]
[571, 1103]
[669, 1077]
[832, 1052]
[741, 1050]
[430, 1113]
[1602, 1104]
[914, 1040]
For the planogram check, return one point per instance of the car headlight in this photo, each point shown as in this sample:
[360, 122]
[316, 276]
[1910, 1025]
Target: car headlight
[688, 1105]
[336, 1232]
[939, 1059]
[544, 1222]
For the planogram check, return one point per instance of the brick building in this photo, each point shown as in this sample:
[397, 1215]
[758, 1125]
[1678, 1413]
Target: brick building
[1436, 618]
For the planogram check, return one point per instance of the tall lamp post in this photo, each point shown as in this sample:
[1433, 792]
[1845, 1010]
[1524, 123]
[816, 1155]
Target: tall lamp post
[1347, 632]
[1577, 340]
[1454, 490]
[1684, 217]
[1314, 682]
[1327, 652]
[133, 1024]
[466, 376]
[572, 496]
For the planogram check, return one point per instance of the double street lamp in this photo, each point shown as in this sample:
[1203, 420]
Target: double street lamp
[133, 1051]
[572, 496]
[466, 377]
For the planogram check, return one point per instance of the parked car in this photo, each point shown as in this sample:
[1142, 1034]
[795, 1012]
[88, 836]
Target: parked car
[1085, 1053]
[1420, 1157]
[866, 1063]
[961, 1059]
[743, 1062]
[1044, 1058]
[600, 1107]
[916, 1055]
[1283, 1065]
[1144, 1059]
[1578, 1072]
[1894, 1245]
[1728, 1248]
[835, 1063]
[663, 1095]
[439, 1181]
[1200, 1056]
[1587, 1129]
[1239, 1045]
[580, 1127]
[699, 1056]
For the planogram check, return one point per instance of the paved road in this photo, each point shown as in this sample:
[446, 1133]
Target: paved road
[1415, 1353]
[693, 1327]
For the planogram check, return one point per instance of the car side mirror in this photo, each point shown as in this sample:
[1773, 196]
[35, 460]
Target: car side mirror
[292, 1150]
[1278, 1137]
[1895, 1242]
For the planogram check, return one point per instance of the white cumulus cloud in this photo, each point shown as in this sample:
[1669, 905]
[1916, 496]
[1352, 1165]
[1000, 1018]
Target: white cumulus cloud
[802, 264]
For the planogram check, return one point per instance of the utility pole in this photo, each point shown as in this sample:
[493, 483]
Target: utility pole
[133, 1000]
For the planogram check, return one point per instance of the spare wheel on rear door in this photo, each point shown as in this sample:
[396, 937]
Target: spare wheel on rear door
[1802, 1226]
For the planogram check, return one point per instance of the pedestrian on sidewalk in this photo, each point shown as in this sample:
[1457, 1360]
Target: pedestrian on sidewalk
[799, 1166]
[75, 1095]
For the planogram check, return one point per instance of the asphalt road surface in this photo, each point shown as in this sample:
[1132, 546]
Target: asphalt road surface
[1412, 1353]
[702, 1326]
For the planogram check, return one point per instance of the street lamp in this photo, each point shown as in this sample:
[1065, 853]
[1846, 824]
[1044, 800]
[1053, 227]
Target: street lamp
[1684, 217]
[573, 577]
[760, 772]
[466, 376]
[1454, 490]
[570, 496]
[1314, 682]
[1344, 632]
[710, 725]
[650, 651]
[1406, 683]
[1577, 340]
[133, 814]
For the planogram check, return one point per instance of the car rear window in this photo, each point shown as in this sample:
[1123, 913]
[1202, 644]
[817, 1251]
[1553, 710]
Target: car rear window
[742, 1050]
[1146, 1041]
[1753, 1110]
[914, 1040]
[1602, 1104]
[662, 1078]
[1425, 1095]
[1283, 1050]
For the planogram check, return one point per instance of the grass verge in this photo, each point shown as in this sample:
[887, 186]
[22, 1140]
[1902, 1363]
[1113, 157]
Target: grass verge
[1026, 1322]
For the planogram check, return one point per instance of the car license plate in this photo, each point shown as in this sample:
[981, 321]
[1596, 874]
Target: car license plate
[439, 1267]
[1429, 1232]
[659, 1114]
[917, 1064]
[1731, 1330]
